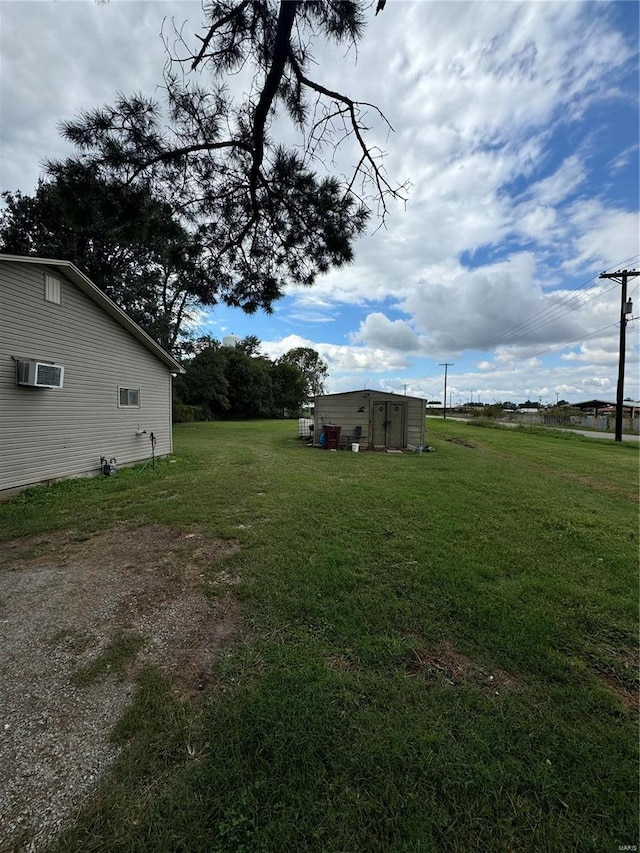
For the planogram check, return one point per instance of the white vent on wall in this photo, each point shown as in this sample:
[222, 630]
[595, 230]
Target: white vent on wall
[39, 374]
[52, 288]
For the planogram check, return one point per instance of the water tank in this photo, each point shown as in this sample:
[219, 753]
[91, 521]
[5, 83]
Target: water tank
[305, 427]
[230, 340]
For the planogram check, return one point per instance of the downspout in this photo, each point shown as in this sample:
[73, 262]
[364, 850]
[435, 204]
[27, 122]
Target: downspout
[171, 378]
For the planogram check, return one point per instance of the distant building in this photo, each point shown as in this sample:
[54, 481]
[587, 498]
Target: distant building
[630, 408]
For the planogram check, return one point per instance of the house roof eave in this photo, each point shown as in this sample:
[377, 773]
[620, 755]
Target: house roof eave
[84, 284]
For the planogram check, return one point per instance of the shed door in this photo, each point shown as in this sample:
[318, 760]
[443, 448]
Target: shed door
[388, 424]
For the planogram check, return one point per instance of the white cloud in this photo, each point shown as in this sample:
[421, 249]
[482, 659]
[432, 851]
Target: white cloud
[601, 235]
[57, 59]
[341, 359]
[562, 183]
[378, 330]
[621, 160]
[276, 348]
[348, 359]
[602, 352]
[482, 87]
[480, 308]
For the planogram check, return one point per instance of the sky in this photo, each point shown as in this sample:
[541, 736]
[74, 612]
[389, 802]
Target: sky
[516, 124]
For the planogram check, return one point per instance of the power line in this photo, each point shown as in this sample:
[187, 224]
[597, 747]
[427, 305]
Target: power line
[564, 344]
[554, 313]
[539, 316]
[573, 300]
[556, 347]
[579, 304]
[545, 316]
[581, 337]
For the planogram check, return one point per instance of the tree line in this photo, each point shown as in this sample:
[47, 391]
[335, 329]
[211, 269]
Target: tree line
[239, 382]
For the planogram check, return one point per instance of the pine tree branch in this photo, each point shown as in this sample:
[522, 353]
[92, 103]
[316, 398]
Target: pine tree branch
[233, 14]
[281, 53]
[178, 321]
[176, 153]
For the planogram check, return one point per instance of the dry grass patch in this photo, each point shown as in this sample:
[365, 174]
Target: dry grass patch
[443, 662]
[628, 696]
[339, 663]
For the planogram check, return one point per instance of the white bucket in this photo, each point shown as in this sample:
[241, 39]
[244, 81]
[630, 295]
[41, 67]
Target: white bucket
[355, 447]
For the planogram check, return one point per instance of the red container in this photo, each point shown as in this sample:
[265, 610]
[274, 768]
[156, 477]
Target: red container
[331, 436]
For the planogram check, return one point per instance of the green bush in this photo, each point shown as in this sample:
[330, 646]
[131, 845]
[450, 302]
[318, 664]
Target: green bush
[485, 422]
[183, 414]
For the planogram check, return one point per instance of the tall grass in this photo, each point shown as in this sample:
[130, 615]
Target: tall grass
[439, 652]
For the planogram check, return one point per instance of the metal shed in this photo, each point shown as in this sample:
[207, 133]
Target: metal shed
[377, 420]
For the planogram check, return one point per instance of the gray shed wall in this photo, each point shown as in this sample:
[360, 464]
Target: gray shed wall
[48, 434]
[343, 409]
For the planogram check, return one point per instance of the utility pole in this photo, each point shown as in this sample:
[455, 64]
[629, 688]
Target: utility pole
[446, 365]
[626, 307]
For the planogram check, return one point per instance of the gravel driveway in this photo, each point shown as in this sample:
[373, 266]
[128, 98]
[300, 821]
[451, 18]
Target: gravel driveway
[63, 600]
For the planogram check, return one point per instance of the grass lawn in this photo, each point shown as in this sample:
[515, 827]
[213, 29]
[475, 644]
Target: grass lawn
[438, 652]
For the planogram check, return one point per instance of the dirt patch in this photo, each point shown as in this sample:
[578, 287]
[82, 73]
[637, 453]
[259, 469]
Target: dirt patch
[338, 662]
[621, 674]
[463, 442]
[65, 603]
[443, 662]
[626, 695]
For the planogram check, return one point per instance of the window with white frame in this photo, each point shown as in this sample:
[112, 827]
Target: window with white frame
[128, 398]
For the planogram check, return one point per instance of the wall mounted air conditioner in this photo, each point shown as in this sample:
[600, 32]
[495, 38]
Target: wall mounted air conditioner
[39, 374]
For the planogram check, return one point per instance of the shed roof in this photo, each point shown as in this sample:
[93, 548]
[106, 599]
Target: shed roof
[606, 406]
[102, 300]
[591, 404]
[368, 391]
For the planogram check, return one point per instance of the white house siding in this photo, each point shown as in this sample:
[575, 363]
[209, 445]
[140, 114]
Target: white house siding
[344, 409]
[48, 434]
